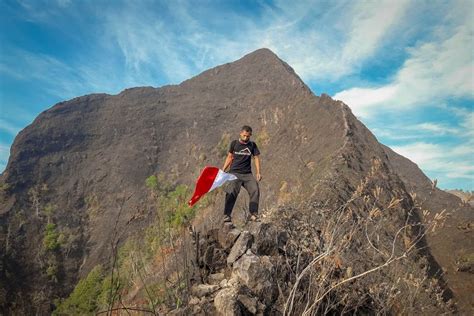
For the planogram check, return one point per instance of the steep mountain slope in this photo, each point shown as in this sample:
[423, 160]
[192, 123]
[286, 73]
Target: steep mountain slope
[451, 242]
[83, 163]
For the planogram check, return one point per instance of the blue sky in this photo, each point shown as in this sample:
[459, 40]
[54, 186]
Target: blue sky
[406, 68]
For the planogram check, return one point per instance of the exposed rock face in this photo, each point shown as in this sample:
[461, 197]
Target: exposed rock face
[90, 156]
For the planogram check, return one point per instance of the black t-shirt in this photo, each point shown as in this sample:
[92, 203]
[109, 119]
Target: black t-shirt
[243, 153]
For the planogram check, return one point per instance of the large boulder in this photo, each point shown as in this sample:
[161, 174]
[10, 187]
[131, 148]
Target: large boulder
[267, 238]
[257, 274]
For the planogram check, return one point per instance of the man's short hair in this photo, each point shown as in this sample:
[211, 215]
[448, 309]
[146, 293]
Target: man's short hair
[246, 128]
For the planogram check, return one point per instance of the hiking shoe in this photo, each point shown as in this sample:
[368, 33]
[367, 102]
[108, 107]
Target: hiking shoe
[227, 219]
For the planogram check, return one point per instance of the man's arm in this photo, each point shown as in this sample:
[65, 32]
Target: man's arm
[228, 161]
[257, 166]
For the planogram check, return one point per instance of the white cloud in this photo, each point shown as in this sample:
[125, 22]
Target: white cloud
[57, 78]
[420, 131]
[438, 129]
[4, 153]
[322, 51]
[392, 133]
[461, 128]
[319, 43]
[467, 121]
[451, 161]
[362, 101]
[371, 22]
[435, 70]
[9, 127]
[421, 153]
[43, 11]
[4, 150]
[151, 44]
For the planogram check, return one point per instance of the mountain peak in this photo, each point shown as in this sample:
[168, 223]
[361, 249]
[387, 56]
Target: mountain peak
[263, 53]
[262, 68]
[266, 59]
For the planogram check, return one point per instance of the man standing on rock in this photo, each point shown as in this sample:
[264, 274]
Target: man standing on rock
[239, 159]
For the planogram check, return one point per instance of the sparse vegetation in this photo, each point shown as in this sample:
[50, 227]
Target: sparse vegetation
[92, 205]
[51, 245]
[137, 256]
[52, 270]
[4, 189]
[326, 276]
[83, 300]
[50, 239]
[36, 196]
[262, 138]
[49, 210]
[335, 280]
[223, 145]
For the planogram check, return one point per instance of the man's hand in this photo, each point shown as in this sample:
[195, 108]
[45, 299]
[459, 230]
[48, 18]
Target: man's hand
[257, 165]
[228, 161]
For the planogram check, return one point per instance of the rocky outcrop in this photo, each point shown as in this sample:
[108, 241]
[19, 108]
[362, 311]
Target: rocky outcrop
[246, 283]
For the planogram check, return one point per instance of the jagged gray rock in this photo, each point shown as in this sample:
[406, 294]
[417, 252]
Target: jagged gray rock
[201, 290]
[240, 247]
[226, 303]
[257, 274]
[267, 239]
[227, 235]
[216, 278]
[250, 303]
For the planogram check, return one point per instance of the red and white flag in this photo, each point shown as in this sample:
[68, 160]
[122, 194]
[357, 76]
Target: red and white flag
[210, 178]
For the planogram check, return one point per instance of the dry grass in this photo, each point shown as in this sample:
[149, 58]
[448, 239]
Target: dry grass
[370, 259]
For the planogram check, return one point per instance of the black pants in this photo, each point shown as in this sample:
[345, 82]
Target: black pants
[248, 181]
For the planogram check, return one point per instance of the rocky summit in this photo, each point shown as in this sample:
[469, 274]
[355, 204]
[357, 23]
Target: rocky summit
[93, 214]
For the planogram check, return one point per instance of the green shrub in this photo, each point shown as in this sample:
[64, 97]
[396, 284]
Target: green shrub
[52, 271]
[83, 300]
[159, 184]
[175, 204]
[93, 292]
[4, 187]
[104, 297]
[49, 210]
[151, 182]
[92, 205]
[50, 240]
